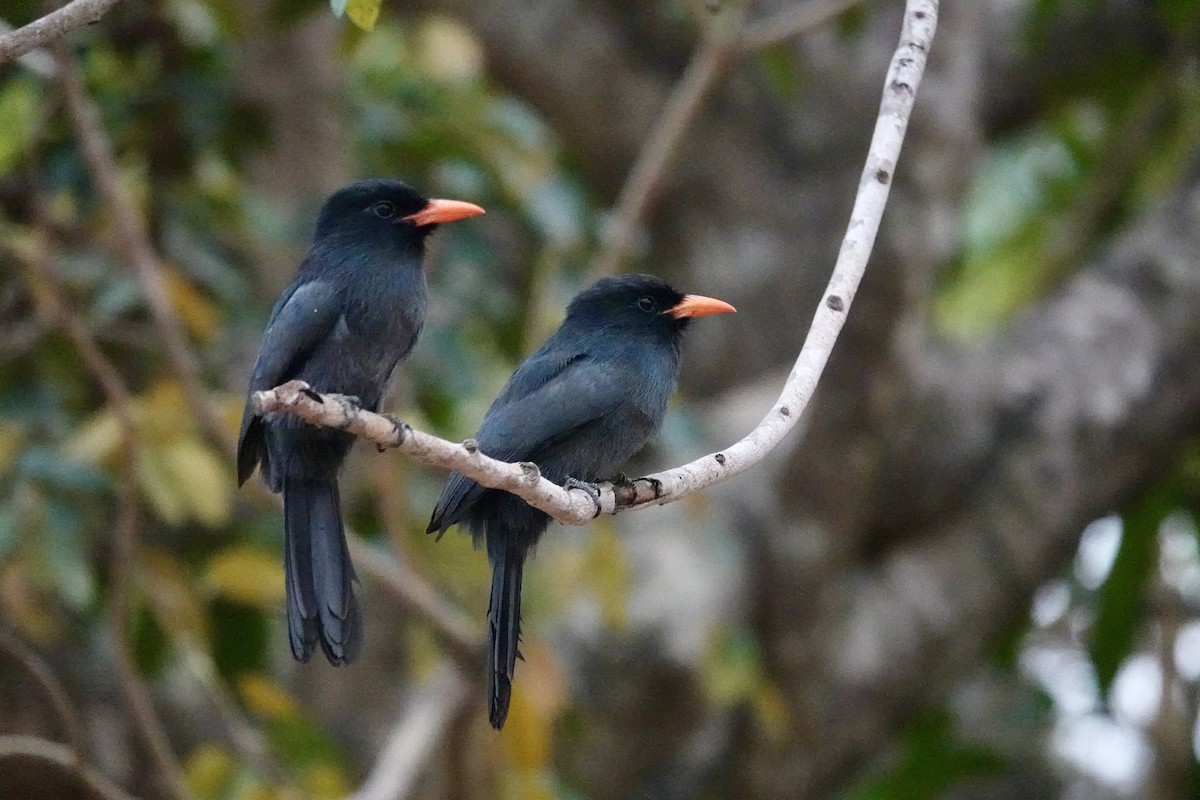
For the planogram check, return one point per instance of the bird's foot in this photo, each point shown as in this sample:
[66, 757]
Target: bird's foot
[401, 430]
[590, 489]
[351, 406]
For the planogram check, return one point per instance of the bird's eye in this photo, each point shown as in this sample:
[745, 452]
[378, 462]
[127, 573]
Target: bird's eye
[646, 304]
[383, 209]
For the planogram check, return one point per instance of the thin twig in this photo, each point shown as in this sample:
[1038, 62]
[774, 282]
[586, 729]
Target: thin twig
[576, 507]
[714, 56]
[52, 27]
[128, 522]
[247, 739]
[648, 171]
[134, 241]
[419, 596]
[791, 22]
[58, 757]
[60, 701]
[415, 736]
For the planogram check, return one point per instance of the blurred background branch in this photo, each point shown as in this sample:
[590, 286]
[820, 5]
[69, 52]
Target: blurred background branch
[52, 27]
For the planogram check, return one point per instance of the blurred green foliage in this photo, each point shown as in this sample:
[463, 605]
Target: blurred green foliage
[1047, 195]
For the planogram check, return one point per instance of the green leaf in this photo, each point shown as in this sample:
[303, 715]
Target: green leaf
[151, 645]
[18, 104]
[363, 13]
[66, 553]
[1182, 16]
[1121, 608]
[240, 637]
[934, 759]
[8, 530]
[778, 62]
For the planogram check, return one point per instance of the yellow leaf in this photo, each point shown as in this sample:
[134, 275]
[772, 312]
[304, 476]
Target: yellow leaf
[265, 697]
[248, 575]
[209, 771]
[12, 440]
[449, 52]
[161, 412]
[159, 492]
[229, 409]
[363, 13]
[171, 593]
[771, 711]
[198, 314]
[538, 695]
[325, 781]
[25, 607]
[201, 479]
[523, 785]
[609, 571]
[96, 440]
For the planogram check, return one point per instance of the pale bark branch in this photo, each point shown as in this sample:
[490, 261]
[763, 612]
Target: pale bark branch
[51, 27]
[574, 507]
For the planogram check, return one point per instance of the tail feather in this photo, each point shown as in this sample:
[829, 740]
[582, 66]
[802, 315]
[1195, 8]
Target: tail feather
[321, 606]
[504, 624]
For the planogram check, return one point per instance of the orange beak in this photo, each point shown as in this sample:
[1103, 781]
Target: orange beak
[697, 305]
[443, 211]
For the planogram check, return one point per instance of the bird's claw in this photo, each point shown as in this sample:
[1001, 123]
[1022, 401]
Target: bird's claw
[402, 429]
[590, 489]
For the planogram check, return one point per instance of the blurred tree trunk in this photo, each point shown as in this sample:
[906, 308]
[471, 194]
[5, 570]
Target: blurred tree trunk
[285, 70]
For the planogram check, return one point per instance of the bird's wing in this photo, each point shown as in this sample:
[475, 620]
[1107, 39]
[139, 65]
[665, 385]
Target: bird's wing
[522, 425]
[523, 422]
[300, 320]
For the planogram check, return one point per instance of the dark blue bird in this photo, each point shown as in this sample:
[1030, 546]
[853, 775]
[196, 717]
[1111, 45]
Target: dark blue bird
[353, 311]
[579, 407]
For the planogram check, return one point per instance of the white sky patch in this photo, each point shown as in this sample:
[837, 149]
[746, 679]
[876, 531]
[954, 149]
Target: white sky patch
[1115, 755]
[1187, 651]
[1067, 676]
[1050, 603]
[1136, 690]
[1098, 551]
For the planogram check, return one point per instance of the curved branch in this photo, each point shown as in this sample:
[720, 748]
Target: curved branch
[54, 25]
[56, 694]
[572, 507]
[57, 757]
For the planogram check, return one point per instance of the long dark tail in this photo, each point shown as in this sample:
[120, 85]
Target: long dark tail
[321, 607]
[504, 622]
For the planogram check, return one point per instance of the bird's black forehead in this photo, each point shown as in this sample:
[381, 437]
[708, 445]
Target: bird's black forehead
[360, 195]
[622, 288]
